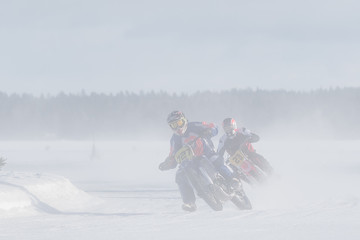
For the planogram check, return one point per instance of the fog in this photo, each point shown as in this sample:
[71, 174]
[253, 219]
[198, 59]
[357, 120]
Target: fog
[86, 166]
[86, 87]
[320, 114]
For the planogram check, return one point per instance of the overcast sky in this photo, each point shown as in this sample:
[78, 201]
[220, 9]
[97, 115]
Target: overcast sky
[106, 46]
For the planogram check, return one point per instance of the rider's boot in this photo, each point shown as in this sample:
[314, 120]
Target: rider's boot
[235, 184]
[190, 207]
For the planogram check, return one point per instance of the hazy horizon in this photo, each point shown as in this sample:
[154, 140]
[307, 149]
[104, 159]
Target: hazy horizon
[141, 91]
[328, 114]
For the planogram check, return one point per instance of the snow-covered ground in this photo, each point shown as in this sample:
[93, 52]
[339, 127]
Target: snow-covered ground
[113, 190]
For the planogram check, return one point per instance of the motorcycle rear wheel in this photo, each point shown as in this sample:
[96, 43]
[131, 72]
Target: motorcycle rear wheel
[258, 174]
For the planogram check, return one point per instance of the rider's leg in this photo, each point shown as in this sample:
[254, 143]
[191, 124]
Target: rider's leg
[186, 191]
[220, 166]
[226, 172]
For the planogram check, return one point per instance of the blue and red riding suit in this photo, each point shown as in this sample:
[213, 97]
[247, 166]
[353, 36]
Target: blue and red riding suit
[199, 134]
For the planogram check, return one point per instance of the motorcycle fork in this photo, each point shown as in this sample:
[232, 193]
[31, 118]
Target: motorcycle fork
[207, 178]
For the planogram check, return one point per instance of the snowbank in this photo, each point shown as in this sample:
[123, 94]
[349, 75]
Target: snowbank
[37, 192]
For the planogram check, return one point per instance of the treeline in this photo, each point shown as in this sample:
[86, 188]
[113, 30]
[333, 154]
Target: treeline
[331, 113]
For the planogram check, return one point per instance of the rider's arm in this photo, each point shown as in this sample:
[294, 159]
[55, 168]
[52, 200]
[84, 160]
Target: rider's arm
[208, 130]
[170, 161]
[251, 137]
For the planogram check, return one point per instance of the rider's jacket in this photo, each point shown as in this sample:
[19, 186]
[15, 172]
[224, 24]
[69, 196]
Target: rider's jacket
[203, 145]
[232, 144]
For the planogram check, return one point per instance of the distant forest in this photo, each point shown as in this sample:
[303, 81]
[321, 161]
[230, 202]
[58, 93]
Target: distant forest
[330, 113]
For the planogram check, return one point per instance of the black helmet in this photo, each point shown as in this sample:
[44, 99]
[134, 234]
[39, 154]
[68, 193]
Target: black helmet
[229, 126]
[178, 122]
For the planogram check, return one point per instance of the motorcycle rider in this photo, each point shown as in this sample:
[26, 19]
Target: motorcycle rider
[186, 132]
[235, 137]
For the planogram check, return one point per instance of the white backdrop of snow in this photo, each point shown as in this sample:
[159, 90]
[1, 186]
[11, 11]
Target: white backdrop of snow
[117, 192]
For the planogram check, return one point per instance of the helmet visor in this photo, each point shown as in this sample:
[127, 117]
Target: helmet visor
[177, 124]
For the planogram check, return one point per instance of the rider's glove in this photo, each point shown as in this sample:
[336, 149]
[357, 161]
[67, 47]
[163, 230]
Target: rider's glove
[169, 163]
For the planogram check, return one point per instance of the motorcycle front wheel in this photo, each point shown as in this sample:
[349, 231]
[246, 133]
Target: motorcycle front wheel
[206, 192]
[241, 201]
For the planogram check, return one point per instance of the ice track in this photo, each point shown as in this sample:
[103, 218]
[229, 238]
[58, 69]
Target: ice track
[309, 197]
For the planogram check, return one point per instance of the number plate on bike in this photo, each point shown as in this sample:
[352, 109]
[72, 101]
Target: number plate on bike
[237, 159]
[185, 153]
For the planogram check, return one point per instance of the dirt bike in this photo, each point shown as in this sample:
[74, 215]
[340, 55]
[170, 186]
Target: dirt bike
[207, 182]
[249, 167]
[258, 159]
